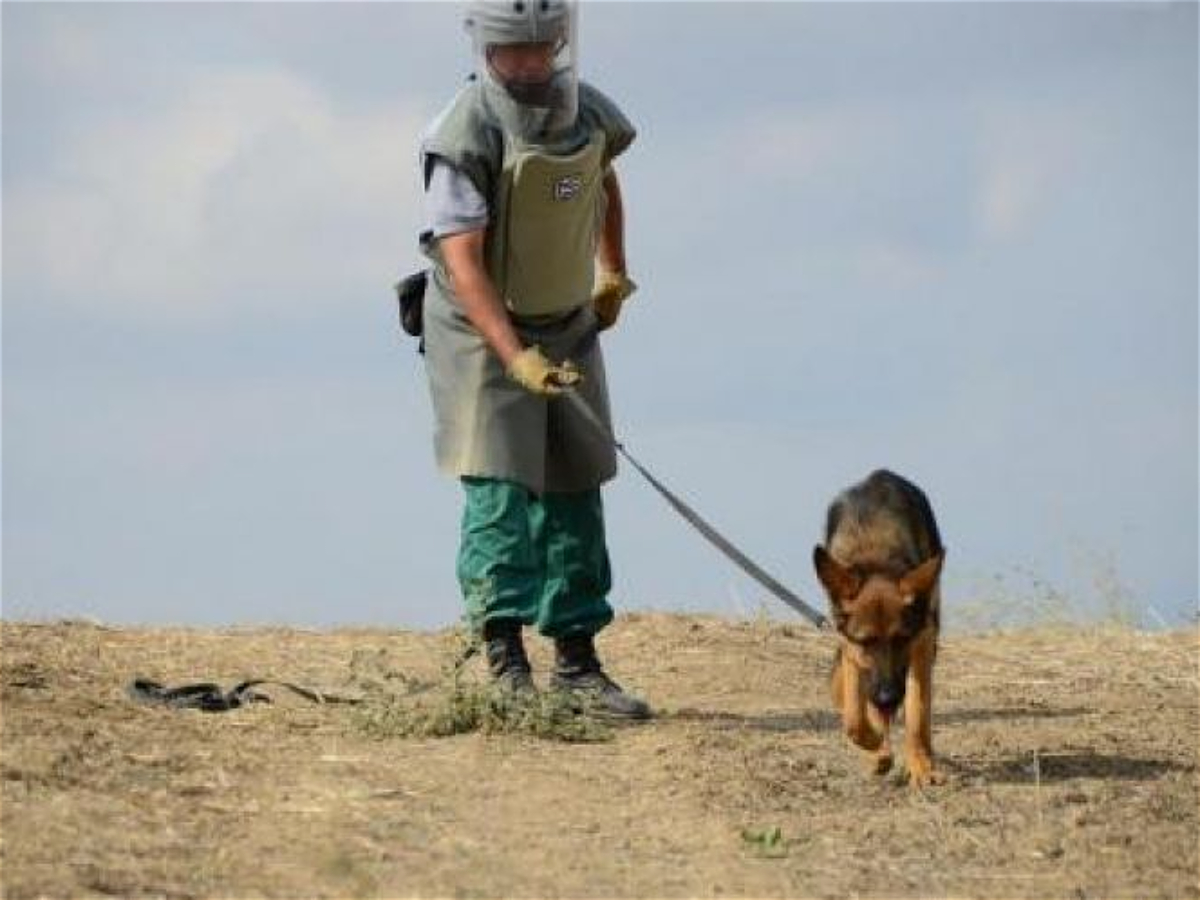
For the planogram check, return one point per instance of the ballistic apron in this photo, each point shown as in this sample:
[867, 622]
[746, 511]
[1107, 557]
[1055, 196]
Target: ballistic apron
[547, 205]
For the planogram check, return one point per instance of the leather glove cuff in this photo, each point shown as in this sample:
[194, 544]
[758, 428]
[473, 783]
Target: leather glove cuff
[611, 292]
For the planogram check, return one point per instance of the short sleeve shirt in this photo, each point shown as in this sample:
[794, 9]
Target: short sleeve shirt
[452, 202]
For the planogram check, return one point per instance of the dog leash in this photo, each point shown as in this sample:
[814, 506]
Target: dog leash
[693, 518]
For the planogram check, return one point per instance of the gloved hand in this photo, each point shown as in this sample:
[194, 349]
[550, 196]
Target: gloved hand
[612, 289]
[535, 373]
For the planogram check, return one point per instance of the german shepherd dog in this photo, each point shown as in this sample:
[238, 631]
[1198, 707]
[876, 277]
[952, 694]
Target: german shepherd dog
[880, 566]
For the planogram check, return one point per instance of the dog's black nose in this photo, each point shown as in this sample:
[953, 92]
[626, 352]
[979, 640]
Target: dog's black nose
[887, 697]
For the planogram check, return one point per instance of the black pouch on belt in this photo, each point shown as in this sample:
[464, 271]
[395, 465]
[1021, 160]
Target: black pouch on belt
[410, 292]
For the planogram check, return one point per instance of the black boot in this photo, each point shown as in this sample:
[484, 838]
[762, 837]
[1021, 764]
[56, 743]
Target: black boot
[506, 656]
[578, 670]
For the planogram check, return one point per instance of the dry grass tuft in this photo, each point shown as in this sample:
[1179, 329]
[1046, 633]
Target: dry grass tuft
[396, 705]
[461, 705]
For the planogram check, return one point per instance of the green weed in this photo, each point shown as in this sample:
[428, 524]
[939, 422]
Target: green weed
[768, 841]
[400, 707]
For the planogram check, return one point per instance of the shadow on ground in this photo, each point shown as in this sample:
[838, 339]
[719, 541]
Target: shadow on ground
[821, 720]
[801, 720]
[1056, 767]
[983, 714]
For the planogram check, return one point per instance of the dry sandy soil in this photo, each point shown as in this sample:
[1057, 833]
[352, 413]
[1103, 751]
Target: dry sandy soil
[1071, 755]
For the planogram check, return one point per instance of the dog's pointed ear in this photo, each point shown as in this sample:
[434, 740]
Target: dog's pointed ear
[840, 582]
[919, 581]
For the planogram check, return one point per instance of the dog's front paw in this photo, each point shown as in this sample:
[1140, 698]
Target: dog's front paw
[921, 773]
[880, 763]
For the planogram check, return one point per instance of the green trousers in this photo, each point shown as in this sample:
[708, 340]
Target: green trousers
[539, 558]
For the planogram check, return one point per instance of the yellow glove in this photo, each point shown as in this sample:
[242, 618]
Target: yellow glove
[612, 289]
[535, 373]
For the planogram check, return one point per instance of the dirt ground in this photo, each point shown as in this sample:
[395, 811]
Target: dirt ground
[1071, 755]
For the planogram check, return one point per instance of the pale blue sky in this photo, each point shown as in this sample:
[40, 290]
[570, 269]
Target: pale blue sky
[955, 239]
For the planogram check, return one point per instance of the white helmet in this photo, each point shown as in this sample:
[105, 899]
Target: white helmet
[525, 55]
[520, 21]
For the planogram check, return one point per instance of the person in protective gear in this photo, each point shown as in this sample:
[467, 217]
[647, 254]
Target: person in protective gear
[525, 230]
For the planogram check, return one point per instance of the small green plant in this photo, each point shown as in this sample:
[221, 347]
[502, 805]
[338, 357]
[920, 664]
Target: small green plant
[463, 706]
[345, 869]
[459, 704]
[768, 841]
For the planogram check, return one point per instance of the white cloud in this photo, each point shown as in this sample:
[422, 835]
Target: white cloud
[250, 187]
[57, 47]
[845, 175]
[1026, 156]
[1013, 193]
[898, 267]
[808, 144]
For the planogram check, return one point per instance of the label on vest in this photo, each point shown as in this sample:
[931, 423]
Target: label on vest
[568, 188]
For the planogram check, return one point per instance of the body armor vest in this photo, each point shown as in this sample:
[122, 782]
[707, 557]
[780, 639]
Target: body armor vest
[545, 222]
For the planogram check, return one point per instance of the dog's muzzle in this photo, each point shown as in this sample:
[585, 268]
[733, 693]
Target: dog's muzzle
[887, 696]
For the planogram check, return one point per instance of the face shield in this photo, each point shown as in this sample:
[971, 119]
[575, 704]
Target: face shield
[525, 57]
